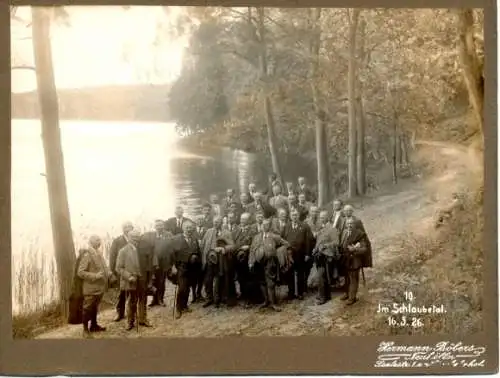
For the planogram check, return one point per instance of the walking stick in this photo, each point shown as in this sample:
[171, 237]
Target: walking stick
[363, 275]
[175, 302]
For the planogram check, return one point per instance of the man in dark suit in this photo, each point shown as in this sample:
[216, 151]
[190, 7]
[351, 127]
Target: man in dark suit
[159, 238]
[261, 205]
[356, 254]
[252, 189]
[264, 263]
[278, 225]
[298, 235]
[148, 263]
[338, 218]
[228, 199]
[217, 249]
[303, 188]
[247, 205]
[117, 244]
[242, 237]
[174, 224]
[184, 255]
[199, 233]
[207, 216]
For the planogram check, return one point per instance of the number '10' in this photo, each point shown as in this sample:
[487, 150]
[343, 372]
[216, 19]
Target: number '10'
[408, 295]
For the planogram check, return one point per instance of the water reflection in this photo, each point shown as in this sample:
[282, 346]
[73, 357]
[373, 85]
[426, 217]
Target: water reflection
[115, 172]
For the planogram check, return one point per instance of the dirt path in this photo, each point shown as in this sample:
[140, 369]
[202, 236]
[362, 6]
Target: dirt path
[387, 218]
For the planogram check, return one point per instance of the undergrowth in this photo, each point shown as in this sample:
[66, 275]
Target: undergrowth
[444, 267]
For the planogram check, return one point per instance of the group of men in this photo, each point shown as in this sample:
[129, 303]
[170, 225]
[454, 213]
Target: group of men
[234, 251]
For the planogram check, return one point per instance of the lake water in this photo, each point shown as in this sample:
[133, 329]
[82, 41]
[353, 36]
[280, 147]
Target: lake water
[114, 172]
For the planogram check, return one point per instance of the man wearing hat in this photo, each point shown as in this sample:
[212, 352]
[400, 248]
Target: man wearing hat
[264, 261]
[185, 256]
[117, 244]
[216, 249]
[200, 231]
[129, 269]
[95, 276]
[356, 254]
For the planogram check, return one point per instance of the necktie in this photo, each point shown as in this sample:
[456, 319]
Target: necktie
[178, 222]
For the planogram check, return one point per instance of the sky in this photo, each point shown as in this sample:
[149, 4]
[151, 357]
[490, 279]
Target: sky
[103, 45]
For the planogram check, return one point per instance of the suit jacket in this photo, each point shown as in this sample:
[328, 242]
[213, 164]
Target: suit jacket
[160, 247]
[148, 260]
[299, 240]
[265, 247]
[117, 244]
[278, 202]
[303, 212]
[338, 220]
[243, 237]
[171, 225]
[217, 210]
[208, 222]
[328, 237]
[91, 263]
[200, 232]
[248, 208]
[277, 227]
[209, 242]
[362, 256]
[310, 197]
[181, 252]
[267, 209]
[128, 265]
[313, 225]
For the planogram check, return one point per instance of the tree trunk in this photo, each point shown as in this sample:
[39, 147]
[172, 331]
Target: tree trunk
[360, 147]
[319, 116]
[404, 150]
[54, 162]
[398, 149]
[351, 77]
[394, 149]
[471, 66]
[268, 108]
[360, 116]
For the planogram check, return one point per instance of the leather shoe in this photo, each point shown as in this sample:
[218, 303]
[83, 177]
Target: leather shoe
[130, 327]
[208, 304]
[97, 328]
[178, 314]
[145, 324]
[344, 298]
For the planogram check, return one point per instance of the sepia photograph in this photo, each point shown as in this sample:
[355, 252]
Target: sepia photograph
[214, 171]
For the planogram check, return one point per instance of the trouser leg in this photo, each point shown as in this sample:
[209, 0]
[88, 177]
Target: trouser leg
[88, 311]
[323, 284]
[182, 292]
[120, 306]
[95, 310]
[353, 284]
[291, 281]
[132, 299]
[209, 282]
[300, 270]
[142, 299]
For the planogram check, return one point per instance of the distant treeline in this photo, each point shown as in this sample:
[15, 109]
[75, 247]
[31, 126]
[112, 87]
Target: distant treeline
[107, 103]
